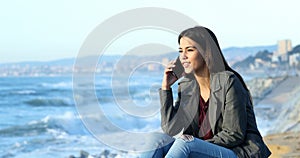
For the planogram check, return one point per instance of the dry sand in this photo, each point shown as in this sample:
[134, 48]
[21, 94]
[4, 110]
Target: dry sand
[284, 145]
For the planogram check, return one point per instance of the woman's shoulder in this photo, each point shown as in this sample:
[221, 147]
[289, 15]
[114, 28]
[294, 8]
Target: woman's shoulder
[226, 77]
[223, 75]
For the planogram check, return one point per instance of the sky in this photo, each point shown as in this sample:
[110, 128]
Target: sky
[35, 30]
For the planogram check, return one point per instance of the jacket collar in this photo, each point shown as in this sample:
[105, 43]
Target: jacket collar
[214, 83]
[215, 104]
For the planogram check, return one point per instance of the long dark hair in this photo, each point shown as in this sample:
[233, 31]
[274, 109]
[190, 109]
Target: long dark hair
[190, 33]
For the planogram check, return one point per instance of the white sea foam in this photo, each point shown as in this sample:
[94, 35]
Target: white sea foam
[58, 85]
[24, 92]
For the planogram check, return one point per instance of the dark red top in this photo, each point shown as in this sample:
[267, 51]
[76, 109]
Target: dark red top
[205, 131]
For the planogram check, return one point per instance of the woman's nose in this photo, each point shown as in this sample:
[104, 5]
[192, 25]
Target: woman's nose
[183, 55]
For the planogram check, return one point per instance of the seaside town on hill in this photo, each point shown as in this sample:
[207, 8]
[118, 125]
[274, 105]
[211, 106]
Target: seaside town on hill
[284, 60]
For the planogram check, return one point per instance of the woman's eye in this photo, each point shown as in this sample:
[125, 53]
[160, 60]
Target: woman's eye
[180, 51]
[190, 50]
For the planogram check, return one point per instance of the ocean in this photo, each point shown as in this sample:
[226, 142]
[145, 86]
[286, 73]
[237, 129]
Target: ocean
[40, 118]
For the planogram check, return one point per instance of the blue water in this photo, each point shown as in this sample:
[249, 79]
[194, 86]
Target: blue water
[39, 118]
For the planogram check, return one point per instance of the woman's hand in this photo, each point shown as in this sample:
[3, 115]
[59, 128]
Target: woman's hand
[169, 78]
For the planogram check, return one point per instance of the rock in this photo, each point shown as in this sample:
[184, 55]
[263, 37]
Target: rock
[84, 154]
[105, 153]
[260, 87]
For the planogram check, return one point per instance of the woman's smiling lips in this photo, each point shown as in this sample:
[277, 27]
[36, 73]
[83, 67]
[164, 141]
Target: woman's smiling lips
[186, 64]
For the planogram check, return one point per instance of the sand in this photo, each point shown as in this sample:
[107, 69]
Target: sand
[284, 144]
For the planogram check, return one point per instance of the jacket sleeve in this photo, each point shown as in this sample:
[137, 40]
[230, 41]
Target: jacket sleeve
[171, 122]
[234, 124]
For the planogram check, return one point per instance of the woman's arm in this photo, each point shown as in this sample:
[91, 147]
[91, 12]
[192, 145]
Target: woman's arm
[170, 122]
[234, 124]
[168, 112]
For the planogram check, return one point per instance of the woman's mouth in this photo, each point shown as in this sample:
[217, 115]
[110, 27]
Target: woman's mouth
[186, 64]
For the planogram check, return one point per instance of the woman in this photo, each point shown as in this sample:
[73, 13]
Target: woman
[213, 115]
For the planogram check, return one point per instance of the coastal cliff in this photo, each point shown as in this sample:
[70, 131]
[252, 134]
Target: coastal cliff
[277, 108]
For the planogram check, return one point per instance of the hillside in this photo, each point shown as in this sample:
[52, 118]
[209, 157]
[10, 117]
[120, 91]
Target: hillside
[235, 54]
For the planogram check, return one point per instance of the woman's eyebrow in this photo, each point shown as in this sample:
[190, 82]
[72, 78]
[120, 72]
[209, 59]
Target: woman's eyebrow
[190, 47]
[187, 47]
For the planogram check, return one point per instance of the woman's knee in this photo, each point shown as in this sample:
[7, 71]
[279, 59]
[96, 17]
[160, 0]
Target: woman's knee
[182, 143]
[187, 138]
[181, 147]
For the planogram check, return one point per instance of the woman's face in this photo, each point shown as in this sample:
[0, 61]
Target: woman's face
[190, 58]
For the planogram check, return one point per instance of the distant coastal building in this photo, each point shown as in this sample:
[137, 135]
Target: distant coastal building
[283, 47]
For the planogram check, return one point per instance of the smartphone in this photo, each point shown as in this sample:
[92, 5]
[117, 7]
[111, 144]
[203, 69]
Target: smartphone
[178, 69]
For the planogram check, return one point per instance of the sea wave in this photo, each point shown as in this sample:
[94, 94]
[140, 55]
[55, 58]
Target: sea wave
[25, 92]
[60, 102]
[66, 124]
[57, 85]
[51, 136]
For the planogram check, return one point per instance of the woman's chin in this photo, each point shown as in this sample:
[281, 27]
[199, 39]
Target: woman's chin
[188, 71]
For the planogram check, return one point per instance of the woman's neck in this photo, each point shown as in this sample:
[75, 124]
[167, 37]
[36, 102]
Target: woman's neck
[203, 80]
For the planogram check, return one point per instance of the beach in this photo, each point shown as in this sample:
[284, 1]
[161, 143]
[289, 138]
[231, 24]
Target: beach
[284, 144]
